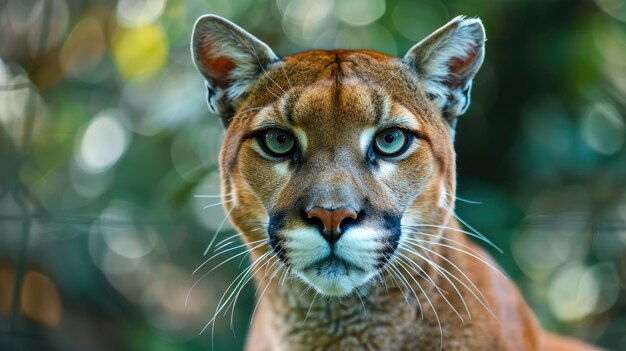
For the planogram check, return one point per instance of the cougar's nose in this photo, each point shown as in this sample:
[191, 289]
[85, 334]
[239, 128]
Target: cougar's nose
[333, 221]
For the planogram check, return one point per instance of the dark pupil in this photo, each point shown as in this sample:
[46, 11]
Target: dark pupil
[389, 138]
[281, 138]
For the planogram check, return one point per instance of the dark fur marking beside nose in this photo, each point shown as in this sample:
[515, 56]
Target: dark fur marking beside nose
[277, 221]
[391, 223]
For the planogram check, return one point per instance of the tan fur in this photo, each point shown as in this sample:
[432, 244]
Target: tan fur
[331, 96]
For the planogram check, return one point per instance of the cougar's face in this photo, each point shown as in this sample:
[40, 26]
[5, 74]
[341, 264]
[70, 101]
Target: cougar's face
[337, 168]
[336, 153]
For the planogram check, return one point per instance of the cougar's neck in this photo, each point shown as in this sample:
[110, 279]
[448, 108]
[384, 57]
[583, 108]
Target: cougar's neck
[399, 305]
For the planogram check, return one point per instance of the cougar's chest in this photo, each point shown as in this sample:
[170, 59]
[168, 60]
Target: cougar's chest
[307, 321]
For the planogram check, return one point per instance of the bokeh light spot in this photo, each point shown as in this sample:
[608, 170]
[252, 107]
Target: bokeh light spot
[572, 294]
[608, 285]
[44, 22]
[416, 25]
[140, 51]
[103, 143]
[359, 12]
[7, 284]
[603, 129]
[136, 13]
[83, 50]
[165, 298]
[536, 259]
[613, 8]
[41, 300]
[121, 234]
[303, 21]
[352, 38]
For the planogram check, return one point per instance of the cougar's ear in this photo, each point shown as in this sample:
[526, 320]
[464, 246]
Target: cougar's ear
[446, 62]
[230, 59]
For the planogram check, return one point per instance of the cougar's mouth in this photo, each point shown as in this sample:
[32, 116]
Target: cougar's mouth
[333, 265]
[334, 276]
[337, 265]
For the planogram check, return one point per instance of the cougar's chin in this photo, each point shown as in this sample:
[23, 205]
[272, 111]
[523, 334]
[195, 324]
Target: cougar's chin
[335, 279]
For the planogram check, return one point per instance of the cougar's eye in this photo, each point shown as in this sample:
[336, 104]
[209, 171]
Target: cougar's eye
[277, 142]
[391, 142]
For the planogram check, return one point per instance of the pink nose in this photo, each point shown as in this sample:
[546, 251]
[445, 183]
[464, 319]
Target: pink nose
[332, 220]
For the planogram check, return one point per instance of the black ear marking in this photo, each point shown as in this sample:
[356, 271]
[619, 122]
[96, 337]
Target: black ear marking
[466, 95]
[210, 97]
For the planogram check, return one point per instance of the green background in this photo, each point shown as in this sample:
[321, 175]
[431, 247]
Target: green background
[105, 139]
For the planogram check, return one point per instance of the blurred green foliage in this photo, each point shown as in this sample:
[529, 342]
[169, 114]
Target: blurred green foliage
[105, 140]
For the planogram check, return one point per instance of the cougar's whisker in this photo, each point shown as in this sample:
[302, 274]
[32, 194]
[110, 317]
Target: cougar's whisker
[358, 294]
[482, 299]
[393, 75]
[218, 204]
[434, 311]
[273, 93]
[214, 268]
[382, 279]
[387, 269]
[222, 243]
[309, 310]
[238, 280]
[276, 270]
[307, 288]
[462, 251]
[264, 71]
[479, 234]
[202, 196]
[286, 76]
[225, 251]
[240, 289]
[407, 284]
[247, 251]
[285, 275]
[462, 199]
[413, 231]
[439, 290]
[432, 264]
[218, 230]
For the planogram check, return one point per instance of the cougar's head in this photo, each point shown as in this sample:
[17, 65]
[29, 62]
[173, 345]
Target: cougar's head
[337, 155]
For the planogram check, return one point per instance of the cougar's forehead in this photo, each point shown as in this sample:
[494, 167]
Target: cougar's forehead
[337, 105]
[327, 111]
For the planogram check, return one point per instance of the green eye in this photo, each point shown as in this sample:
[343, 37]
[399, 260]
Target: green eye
[391, 142]
[278, 142]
